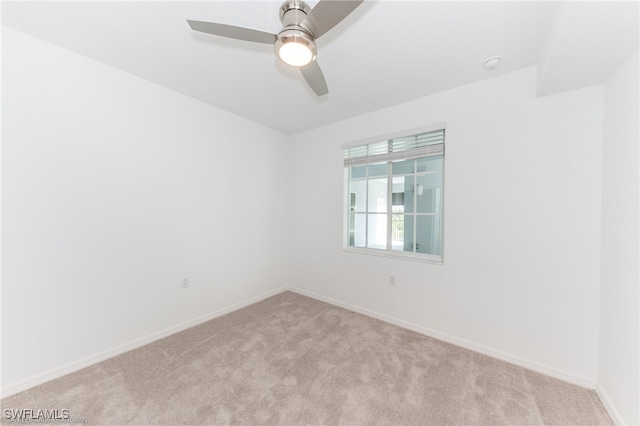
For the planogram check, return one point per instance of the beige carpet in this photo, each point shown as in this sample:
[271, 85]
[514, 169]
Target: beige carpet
[294, 360]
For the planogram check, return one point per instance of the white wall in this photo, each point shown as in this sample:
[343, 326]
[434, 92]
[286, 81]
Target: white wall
[522, 224]
[619, 294]
[114, 189]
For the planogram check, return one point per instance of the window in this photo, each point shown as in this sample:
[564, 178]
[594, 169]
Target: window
[394, 193]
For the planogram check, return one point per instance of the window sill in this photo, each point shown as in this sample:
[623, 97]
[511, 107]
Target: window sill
[395, 255]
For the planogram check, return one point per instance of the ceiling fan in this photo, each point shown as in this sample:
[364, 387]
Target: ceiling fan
[295, 44]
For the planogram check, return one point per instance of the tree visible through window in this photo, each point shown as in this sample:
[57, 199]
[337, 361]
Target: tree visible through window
[394, 195]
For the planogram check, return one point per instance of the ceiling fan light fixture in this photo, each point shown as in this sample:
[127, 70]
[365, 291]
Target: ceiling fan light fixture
[295, 48]
[295, 44]
[295, 54]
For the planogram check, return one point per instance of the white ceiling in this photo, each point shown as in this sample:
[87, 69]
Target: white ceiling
[383, 54]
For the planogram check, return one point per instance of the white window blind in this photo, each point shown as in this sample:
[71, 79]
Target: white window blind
[404, 148]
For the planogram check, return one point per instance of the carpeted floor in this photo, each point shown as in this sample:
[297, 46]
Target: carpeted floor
[293, 360]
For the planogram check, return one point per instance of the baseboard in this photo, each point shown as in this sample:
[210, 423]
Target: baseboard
[548, 370]
[608, 405]
[38, 379]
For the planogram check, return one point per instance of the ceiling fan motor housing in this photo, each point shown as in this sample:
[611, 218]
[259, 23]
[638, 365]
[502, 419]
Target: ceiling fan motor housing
[292, 13]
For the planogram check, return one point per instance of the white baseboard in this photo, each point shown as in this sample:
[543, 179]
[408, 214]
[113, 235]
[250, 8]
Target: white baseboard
[38, 379]
[49, 375]
[548, 370]
[608, 405]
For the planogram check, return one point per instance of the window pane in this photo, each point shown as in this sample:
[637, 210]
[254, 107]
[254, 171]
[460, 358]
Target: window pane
[409, 202]
[429, 193]
[357, 230]
[378, 170]
[409, 226]
[378, 195]
[402, 167]
[398, 184]
[397, 195]
[398, 231]
[428, 234]
[357, 196]
[430, 164]
[358, 172]
[377, 231]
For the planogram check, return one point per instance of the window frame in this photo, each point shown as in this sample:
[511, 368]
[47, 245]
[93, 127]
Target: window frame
[389, 252]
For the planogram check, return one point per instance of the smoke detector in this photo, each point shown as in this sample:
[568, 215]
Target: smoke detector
[492, 63]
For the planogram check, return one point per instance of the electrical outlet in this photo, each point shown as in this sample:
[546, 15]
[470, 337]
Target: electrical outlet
[185, 282]
[392, 280]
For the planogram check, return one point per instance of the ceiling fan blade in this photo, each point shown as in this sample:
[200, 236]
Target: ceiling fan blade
[231, 31]
[327, 14]
[315, 79]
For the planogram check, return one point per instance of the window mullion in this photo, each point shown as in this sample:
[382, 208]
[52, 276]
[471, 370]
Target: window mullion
[415, 206]
[366, 210]
[389, 205]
